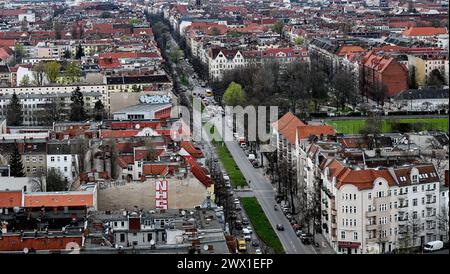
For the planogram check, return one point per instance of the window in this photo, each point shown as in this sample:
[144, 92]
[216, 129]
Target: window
[415, 202]
[355, 235]
[414, 188]
[414, 178]
[369, 196]
[52, 159]
[65, 158]
[65, 169]
[122, 237]
[342, 234]
[149, 237]
[122, 224]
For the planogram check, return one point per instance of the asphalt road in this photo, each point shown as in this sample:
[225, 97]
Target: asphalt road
[261, 187]
[265, 194]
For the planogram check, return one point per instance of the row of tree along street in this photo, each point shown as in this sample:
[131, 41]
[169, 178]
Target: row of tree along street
[52, 110]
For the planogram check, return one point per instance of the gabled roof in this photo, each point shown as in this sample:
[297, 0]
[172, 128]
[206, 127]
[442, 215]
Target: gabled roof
[155, 169]
[191, 149]
[363, 179]
[404, 175]
[287, 126]
[199, 172]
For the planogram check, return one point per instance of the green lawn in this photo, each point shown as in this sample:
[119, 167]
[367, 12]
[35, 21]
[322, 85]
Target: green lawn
[236, 177]
[261, 224]
[354, 126]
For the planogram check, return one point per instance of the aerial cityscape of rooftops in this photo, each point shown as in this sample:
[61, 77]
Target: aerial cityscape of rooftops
[224, 126]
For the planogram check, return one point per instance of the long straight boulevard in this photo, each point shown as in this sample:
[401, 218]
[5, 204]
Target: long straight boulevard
[265, 194]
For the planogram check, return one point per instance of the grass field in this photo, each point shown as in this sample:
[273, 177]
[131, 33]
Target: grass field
[261, 224]
[354, 126]
[236, 176]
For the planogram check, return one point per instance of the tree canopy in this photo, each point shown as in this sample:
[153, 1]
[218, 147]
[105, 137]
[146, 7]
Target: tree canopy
[14, 116]
[234, 95]
[77, 111]
[55, 180]
[15, 162]
[52, 70]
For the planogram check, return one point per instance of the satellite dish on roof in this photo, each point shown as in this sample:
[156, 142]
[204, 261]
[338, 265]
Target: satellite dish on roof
[152, 242]
[205, 247]
[138, 126]
[16, 209]
[183, 212]
[25, 250]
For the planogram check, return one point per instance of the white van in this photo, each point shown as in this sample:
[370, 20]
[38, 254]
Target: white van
[433, 246]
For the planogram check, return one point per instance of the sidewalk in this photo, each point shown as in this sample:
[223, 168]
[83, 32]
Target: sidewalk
[325, 248]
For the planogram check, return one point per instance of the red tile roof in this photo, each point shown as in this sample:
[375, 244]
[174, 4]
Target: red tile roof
[363, 179]
[7, 42]
[346, 50]
[199, 172]
[189, 147]
[306, 131]
[54, 199]
[5, 52]
[124, 161]
[155, 169]
[10, 199]
[287, 126]
[119, 133]
[424, 31]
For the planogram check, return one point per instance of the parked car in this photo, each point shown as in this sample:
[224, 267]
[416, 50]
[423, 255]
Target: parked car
[247, 237]
[299, 233]
[258, 251]
[433, 246]
[307, 238]
[280, 227]
[245, 221]
[255, 243]
[238, 225]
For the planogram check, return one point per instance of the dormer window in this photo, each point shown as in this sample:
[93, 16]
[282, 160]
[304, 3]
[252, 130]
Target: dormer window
[415, 179]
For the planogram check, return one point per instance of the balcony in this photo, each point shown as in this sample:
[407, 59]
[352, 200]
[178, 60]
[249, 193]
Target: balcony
[333, 212]
[430, 190]
[402, 194]
[333, 225]
[371, 213]
[371, 227]
[333, 238]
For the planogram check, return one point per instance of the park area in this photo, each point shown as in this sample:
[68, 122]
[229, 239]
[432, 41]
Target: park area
[393, 125]
[261, 224]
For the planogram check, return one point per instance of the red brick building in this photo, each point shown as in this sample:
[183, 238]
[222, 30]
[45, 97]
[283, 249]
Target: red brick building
[379, 69]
